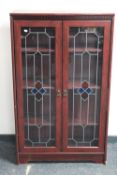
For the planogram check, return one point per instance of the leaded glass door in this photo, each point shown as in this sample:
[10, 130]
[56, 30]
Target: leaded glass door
[84, 88]
[38, 71]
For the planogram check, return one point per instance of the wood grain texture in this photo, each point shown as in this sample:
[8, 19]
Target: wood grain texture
[61, 22]
[68, 157]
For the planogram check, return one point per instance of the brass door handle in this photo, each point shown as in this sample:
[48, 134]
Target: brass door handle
[65, 92]
[58, 93]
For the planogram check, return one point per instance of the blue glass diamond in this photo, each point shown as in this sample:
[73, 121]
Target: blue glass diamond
[81, 90]
[88, 90]
[34, 91]
[42, 91]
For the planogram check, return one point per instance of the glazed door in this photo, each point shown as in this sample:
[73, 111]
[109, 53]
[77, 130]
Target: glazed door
[85, 84]
[38, 78]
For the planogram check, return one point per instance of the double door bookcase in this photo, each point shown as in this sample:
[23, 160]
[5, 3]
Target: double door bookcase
[61, 73]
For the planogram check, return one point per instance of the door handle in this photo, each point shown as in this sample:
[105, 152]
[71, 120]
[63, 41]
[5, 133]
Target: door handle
[58, 93]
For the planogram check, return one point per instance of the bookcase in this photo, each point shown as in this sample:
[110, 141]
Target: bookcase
[61, 75]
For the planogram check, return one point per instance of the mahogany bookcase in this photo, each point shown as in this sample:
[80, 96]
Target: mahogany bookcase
[61, 75]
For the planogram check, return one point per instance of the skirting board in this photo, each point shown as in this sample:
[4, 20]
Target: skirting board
[11, 138]
[7, 138]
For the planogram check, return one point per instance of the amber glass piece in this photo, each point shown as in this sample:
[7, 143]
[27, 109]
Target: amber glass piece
[85, 85]
[38, 85]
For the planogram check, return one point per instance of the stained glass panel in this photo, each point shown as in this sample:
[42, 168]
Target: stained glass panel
[85, 65]
[38, 58]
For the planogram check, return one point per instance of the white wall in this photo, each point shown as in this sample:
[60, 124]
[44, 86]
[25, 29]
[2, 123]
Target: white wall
[7, 124]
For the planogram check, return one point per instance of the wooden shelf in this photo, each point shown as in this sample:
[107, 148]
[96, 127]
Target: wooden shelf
[37, 50]
[77, 84]
[37, 121]
[33, 121]
[85, 50]
[70, 50]
[78, 122]
[31, 84]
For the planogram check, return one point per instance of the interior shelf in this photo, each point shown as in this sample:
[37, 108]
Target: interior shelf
[84, 50]
[70, 50]
[78, 122]
[31, 84]
[38, 50]
[37, 121]
[77, 84]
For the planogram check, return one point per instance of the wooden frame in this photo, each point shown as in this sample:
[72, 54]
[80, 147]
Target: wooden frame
[61, 23]
[19, 82]
[104, 90]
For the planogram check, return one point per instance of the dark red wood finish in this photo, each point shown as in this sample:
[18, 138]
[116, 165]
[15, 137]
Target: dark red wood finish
[61, 152]
[19, 82]
[104, 87]
[109, 85]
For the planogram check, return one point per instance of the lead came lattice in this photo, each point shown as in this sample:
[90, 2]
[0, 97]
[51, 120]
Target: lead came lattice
[38, 44]
[86, 45]
[38, 91]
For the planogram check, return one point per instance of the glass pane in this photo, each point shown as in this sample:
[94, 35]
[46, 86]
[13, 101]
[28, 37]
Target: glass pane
[85, 65]
[38, 58]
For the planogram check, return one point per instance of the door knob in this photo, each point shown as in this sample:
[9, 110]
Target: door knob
[58, 93]
[65, 92]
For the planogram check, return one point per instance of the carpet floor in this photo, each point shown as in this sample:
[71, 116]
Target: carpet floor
[8, 166]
